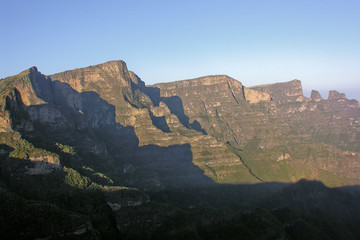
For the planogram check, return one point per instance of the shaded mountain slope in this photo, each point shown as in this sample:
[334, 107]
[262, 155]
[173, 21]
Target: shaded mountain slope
[128, 135]
[231, 133]
[292, 136]
[94, 153]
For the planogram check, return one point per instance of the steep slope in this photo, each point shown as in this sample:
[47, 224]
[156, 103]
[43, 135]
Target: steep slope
[111, 80]
[283, 92]
[73, 145]
[329, 120]
[156, 124]
[217, 104]
[104, 110]
[199, 131]
[277, 129]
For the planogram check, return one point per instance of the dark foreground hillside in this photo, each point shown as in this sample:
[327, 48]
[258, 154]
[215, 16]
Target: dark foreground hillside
[66, 204]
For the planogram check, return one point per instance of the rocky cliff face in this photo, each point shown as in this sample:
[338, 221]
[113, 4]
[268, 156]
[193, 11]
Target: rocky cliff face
[187, 133]
[222, 106]
[335, 95]
[110, 74]
[315, 96]
[111, 80]
[13, 115]
[254, 96]
[148, 137]
[275, 121]
[283, 92]
[57, 104]
[95, 133]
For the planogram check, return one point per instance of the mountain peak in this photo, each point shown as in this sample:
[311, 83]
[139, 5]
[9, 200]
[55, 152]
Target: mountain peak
[114, 64]
[14, 80]
[33, 69]
[92, 78]
[110, 67]
[335, 95]
[315, 96]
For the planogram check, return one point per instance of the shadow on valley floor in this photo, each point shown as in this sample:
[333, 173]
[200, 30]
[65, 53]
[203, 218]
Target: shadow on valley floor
[85, 123]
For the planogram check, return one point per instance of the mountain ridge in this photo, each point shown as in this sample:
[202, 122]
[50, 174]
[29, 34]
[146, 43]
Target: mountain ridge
[104, 156]
[216, 109]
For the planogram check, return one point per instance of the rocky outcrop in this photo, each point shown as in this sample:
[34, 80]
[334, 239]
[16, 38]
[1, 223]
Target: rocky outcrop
[335, 95]
[315, 96]
[9, 106]
[41, 167]
[57, 104]
[28, 87]
[118, 197]
[111, 80]
[136, 79]
[284, 117]
[17, 93]
[219, 105]
[109, 74]
[254, 96]
[5, 125]
[222, 84]
[283, 92]
[13, 114]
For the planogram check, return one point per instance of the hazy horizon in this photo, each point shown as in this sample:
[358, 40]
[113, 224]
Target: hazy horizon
[255, 42]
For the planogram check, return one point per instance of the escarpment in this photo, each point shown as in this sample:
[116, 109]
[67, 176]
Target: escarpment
[271, 120]
[195, 132]
[283, 92]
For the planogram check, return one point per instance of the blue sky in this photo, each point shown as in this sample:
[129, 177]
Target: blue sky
[255, 42]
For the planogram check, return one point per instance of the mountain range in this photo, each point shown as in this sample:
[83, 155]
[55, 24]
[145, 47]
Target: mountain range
[97, 143]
